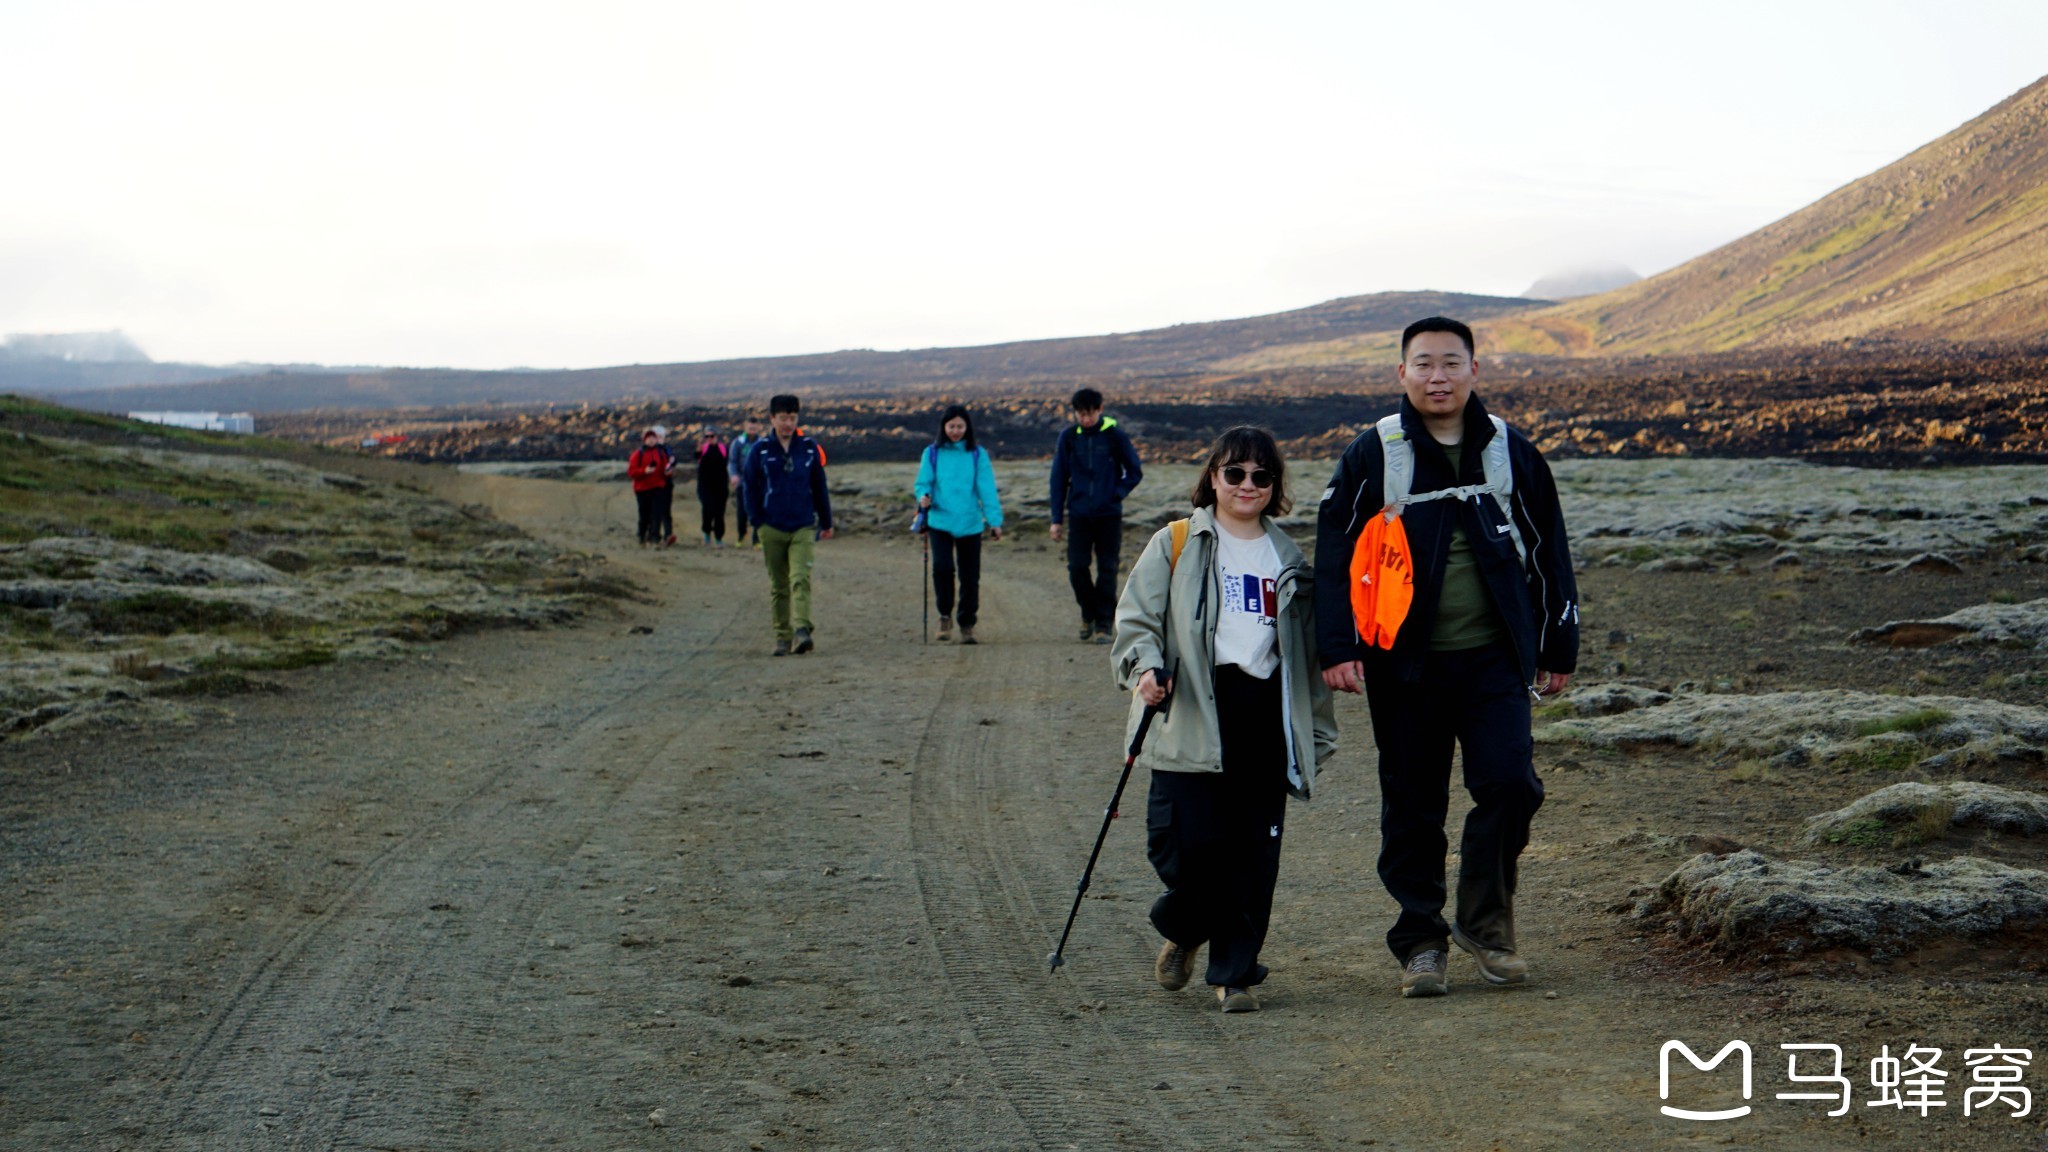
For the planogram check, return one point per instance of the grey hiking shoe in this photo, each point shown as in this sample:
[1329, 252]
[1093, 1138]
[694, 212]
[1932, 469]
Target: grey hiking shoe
[781, 648]
[1496, 965]
[1237, 999]
[1175, 965]
[1427, 974]
[1105, 634]
[967, 634]
[1087, 632]
[945, 629]
[803, 641]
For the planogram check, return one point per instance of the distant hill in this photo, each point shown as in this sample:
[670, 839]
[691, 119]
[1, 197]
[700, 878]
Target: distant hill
[1950, 242]
[1198, 348]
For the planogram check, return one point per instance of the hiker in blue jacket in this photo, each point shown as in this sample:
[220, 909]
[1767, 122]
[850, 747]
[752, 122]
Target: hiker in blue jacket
[789, 502]
[956, 487]
[1093, 468]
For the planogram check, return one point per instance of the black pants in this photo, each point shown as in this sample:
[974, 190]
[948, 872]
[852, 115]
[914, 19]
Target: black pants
[665, 513]
[1214, 837]
[1476, 699]
[739, 513]
[945, 548]
[1099, 537]
[713, 502]
[650, 502]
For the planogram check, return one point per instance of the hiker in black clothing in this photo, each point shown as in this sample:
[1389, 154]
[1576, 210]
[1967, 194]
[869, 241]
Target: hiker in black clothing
[1093, 468]
[714, 474]
[1494, 622]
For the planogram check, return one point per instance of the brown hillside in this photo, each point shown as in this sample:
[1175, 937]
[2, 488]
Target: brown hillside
[1055, 363]
[1950, 243]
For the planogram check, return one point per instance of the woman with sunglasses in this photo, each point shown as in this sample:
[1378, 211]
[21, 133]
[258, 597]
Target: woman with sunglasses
[1215, 629]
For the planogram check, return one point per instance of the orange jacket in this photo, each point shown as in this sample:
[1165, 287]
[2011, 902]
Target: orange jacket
[1382, 580]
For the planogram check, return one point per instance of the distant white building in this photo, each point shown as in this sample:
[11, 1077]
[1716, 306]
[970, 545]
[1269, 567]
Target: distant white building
[200, 421]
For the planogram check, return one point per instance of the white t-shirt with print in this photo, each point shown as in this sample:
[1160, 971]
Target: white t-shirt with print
[1245, 630]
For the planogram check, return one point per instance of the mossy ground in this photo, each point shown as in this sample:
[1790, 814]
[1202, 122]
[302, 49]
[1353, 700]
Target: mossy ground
[114, 535]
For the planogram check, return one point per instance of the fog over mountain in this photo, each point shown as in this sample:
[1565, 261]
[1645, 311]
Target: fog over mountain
[1587, 281]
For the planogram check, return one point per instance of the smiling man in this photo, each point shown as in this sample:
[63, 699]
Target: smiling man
[1493, 623]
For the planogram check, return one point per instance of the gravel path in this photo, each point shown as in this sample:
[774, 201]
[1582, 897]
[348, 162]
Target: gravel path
[588, 888]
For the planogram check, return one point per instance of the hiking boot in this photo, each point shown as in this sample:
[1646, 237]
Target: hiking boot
[1104, 634]
[1496, 965]
[967, 634]
[803, 641]
[1087, 632]
[1175, 966]
[1237, 999]
[1427, 974]
[945, 629]
[781, 648]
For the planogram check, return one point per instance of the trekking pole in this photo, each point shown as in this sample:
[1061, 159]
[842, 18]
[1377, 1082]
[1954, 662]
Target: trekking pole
[1108, 814]
[925, 545]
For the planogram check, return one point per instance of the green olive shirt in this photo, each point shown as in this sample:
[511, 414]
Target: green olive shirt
[1465, 615]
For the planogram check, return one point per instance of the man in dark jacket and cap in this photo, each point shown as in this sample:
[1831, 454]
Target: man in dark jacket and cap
[1494, 623]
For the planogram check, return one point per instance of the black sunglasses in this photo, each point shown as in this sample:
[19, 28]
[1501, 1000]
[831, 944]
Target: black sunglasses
[1233, 475]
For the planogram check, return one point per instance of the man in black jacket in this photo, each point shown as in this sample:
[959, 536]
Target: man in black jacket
[1093, 468]
[1487, 631]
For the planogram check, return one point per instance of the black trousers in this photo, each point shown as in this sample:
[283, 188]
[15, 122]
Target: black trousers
[961, 553]
[1214, 837]
[713, 502]
[1476, 699]
[1098, 537]
[665, 513]
[650, 500]
[739, 512]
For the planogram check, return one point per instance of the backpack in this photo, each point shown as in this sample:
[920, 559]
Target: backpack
[1397, 476]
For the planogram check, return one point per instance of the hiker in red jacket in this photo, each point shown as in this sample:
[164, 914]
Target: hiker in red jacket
[648, 469]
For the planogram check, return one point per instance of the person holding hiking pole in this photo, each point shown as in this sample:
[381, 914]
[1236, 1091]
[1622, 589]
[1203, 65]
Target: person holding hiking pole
[1444, 589]
[956, 490]
[1222, 600]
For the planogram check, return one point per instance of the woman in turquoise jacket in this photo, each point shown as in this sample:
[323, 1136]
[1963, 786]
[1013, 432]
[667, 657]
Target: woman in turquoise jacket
[956, 488]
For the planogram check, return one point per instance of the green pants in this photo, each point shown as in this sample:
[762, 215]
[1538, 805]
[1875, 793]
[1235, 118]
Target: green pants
[789, 557]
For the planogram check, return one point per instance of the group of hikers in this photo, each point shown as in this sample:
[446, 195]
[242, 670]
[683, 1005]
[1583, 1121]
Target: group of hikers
[1442, 590]
[652, 467]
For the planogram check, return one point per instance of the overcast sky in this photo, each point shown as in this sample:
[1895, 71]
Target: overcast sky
[504, 183]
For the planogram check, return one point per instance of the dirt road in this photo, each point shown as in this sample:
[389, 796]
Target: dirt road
[600, 888]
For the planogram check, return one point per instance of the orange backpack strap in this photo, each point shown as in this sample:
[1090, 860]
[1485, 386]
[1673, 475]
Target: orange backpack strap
[1179, 530]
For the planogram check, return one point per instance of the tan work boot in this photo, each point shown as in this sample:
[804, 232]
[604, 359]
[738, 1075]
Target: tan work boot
[945, 629]
[967, 634]
[1496, 965]
[1175, 965]
[1427, 974]
[1237, 999]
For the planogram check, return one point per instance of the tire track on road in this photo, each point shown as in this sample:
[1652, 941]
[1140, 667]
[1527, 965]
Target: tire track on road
[318, 1023]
